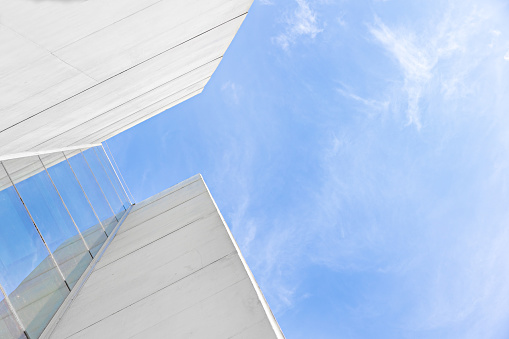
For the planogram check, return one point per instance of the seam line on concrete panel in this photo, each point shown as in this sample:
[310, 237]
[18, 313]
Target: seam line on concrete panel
[126, 70]
[153, 241]
[275, 325]
[163, 288]
[145, 117]
[49, 52]
[133, 99]
[44, 90]
[32, 42]
[249, 327]
[164, 196]
[137, 121]
[74, 67]
[169, 209]
[45, 152]
[148, 116]
[113, 23]
[205, 299]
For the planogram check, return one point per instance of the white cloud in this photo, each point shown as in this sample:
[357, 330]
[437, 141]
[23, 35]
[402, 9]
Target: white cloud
[506, 56]
[445, 52]
[232, 92]
[266, 2]
[341, 19]
[447, 58]
[415, 61]
[373, 105]
[302, 22]
[447, 62]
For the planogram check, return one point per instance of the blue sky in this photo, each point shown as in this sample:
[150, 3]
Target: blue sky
[359, 151]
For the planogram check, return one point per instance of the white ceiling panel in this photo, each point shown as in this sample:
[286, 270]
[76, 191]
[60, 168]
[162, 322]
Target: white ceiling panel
[148, 53]
[79, 72]
[130, 109]
[129, 42]
[55, 24]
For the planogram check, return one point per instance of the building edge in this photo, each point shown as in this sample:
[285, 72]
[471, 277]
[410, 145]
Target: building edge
[52, 325]
[272, 319]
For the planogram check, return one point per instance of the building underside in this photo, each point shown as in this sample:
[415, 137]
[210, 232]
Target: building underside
[76, 73]
[78, 257]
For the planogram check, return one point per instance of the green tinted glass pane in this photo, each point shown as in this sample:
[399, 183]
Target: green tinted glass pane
[9, 328]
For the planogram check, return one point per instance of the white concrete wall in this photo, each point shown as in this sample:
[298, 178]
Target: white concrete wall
[80, 72]
[172, 271]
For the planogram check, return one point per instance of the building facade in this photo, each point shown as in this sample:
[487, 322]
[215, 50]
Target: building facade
[173, 270]
[78, 257]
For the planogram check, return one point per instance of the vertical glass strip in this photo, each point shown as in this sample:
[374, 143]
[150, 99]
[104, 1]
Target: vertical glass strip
[92, 189]
[122, 180]
[28, 273]
[76, 200]
[10, 326]
[112, 176]
[116, 173]
[51, 216]
[106, 186]
[65, 205]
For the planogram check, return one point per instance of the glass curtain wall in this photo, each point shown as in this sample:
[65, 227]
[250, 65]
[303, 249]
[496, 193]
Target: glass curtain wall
[56, 211]
[76, 200]
[109, 154]
[9, 327]
[94, 160]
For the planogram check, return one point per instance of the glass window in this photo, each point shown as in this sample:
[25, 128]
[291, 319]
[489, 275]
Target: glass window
[28, 274]
[93, 190]
[51, 216]
[76, 200]
[9, 328]
[106, 184]
[115, 166]
[115, 179]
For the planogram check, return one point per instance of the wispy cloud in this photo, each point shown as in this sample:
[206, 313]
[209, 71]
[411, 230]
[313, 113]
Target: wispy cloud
[393, 205]
[371, 104]
[416, 62]
[231, 92]
[377, 208]
[443, 53]
[341, 19]
[302, 22]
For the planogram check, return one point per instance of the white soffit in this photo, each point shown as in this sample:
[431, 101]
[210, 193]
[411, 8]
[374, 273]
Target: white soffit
[79, 72]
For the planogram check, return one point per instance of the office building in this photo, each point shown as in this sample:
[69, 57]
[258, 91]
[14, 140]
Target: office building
[78, 257]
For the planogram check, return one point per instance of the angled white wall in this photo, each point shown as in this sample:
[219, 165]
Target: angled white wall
[172, 271]
[70, 69]
[79, 72]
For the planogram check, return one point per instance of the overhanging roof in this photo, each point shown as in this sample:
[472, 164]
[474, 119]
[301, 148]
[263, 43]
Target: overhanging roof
[80, 72]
